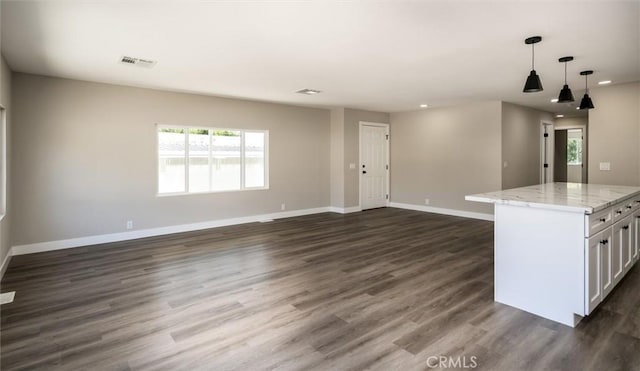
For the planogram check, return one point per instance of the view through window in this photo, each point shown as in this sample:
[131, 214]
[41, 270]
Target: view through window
[195, 160]
[574, 147]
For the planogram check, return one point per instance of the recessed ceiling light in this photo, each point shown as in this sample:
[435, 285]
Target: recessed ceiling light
[423, 106]
[308, 91]
[554, 100]
[605, 82]
[559, 116]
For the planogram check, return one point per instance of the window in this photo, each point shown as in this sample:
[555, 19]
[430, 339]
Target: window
[196, 160]
[574, 147]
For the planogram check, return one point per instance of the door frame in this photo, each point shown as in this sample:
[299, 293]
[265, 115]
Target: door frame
[550, 125]
[378, 124]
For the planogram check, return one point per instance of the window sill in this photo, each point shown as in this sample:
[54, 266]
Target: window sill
[209, 192]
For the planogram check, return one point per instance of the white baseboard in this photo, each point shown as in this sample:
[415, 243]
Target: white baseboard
[439, 210]
[345, 210]
[5, 263]
[132, 235]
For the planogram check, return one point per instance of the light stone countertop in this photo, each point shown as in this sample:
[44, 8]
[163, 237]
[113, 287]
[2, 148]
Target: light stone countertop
[576, 197]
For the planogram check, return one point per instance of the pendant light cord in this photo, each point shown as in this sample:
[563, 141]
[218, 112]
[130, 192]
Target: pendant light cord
[586, 89]
[533, 54]
[565, 73]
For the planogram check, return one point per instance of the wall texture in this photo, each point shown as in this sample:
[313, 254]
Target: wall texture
[521, 144]
[446, 153]
[5, 101]
[352, 118]
[85, 158]
[614, 134]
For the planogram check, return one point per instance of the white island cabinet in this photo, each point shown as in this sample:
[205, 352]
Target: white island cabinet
[560, 248]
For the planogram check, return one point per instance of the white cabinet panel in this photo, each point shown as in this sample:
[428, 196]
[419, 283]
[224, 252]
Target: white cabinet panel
[627, 242]
[593, 277]
[606, 263]
[635, 251]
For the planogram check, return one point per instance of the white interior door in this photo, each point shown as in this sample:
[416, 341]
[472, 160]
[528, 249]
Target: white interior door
[374, 165]
[546, 152]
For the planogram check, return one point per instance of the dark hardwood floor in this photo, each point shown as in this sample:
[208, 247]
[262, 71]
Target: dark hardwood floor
[383, 289]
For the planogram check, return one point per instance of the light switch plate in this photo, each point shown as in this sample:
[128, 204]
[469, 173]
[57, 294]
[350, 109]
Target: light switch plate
[605, 166]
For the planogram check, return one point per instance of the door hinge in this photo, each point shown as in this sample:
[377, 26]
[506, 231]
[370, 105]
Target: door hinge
[546, 166]
[387, 197]
[387, 167]
[546, 135]
[387, 136]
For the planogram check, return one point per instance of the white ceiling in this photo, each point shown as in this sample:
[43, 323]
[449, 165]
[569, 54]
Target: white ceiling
[376, 55]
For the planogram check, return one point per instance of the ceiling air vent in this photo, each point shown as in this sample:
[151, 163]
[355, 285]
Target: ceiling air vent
[139, 62]
[308, 91]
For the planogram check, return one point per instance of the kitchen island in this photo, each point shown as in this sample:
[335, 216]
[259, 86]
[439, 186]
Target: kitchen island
[560, 248]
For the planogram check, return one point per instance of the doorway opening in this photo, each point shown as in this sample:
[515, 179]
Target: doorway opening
[570, 156]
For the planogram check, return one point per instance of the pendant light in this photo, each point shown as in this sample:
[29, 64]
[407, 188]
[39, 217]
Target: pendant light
[586, 102]
[533, 83]
[566, 96]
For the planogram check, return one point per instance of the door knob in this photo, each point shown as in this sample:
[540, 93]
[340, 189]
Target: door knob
[364, 171]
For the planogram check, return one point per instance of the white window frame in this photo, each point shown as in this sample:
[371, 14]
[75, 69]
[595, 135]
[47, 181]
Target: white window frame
[186, 128]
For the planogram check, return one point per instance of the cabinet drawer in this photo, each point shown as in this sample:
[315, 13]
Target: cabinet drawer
[622, 209]
[635, 203]
[598, 221]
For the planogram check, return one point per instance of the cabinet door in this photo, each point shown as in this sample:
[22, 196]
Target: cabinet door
[627, 242]
[635, 251]
[593, 286]
[617, 251]
[606, 262]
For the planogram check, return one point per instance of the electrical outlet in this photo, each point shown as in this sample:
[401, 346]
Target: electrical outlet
[283, 207]
[605, 166]
[426, 201]
[129, 224]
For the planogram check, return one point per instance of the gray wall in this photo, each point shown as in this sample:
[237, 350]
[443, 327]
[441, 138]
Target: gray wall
[446, 153]
[85, 158]
[521, 144]
[5, 101]
[352, 118]
[337, 163]
[614, 134]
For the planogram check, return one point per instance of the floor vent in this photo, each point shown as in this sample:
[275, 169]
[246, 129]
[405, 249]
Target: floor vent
[7, 297]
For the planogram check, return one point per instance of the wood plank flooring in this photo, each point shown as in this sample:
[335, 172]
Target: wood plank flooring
[383, 289]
